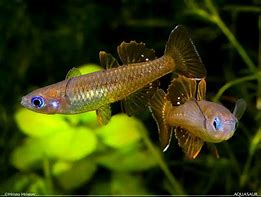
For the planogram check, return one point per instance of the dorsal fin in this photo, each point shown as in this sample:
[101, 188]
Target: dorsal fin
[134, 52]
[73, 72]
[107, 60]
[138, 101]
[181, 89]
[158, 107]
[190, 144]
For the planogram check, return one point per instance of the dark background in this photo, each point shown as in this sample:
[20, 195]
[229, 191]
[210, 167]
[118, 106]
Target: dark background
[41, 40]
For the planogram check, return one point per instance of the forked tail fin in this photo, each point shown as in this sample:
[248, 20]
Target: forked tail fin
[159, 106]
[181, 48]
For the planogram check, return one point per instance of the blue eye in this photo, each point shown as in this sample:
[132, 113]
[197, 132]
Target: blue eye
[217, 123]
[38, 102]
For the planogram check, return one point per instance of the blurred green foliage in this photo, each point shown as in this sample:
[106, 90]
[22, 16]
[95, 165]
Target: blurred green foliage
[58, 154]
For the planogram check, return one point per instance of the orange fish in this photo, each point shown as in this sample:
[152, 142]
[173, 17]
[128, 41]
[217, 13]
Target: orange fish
[133, 82]
[193, 120]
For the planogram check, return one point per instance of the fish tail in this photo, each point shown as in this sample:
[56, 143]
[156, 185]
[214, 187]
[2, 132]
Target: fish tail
[181, 48]
[159, 107]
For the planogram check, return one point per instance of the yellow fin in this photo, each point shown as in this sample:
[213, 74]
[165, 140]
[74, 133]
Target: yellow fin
[103, 115]
[158, 107]
[74, 72]
[138, 101]
[107, 60]
[181, 48]
[190, 144]
[134, 52]
[181, 89]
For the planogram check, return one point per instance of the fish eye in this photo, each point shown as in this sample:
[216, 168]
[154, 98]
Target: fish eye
[38, 102]
[217, 123]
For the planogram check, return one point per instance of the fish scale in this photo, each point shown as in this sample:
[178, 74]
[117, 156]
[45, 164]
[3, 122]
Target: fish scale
[96, 90]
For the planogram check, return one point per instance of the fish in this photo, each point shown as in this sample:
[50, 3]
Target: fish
[133, 83]
[184, 112]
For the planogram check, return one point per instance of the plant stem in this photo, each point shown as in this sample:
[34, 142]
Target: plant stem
[258, 100]
[218, 21]
[231, 83]
[214, 17]
[252, 149]
[175, 184]
[47, 174]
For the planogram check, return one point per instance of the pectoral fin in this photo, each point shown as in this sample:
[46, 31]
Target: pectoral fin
[107, 60]
[190, 144]
[134, 52]
[158, 107]
[240, 108]
[138, 101]
[103, 114]
[74, 72]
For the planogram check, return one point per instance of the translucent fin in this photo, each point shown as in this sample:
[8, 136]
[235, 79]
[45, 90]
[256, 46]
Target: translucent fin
[139, 100]
[107, 60]
[103, 115]
[190, 144]
[134, 52]
[74, 72]
[158, 106]
[181, 48]
[181, 89]
[201, 90]
[240, 108]
[213, 149]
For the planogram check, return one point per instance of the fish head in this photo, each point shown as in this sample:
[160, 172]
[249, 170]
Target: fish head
[220, 123]
[47, 100]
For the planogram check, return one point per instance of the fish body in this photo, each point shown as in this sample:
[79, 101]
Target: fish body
[194, 121]
[91, 91]
[134, 82]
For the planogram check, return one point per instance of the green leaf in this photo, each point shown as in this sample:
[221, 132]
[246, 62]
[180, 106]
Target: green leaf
[87, 119]
[73, 144]
[28, 155]
[73, 175]
[127, 184]
[131, 160]
[121, 131]
[89, 68]
[27, 183]
[39, 125]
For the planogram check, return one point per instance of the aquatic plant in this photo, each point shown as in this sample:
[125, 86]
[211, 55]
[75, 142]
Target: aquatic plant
[71, 154]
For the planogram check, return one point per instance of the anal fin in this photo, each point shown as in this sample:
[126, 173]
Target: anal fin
[103, 115]
[158, 106]
[190, 144]
[138, 101]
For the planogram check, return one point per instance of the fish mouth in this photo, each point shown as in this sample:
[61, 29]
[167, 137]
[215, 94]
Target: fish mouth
[24, 101]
